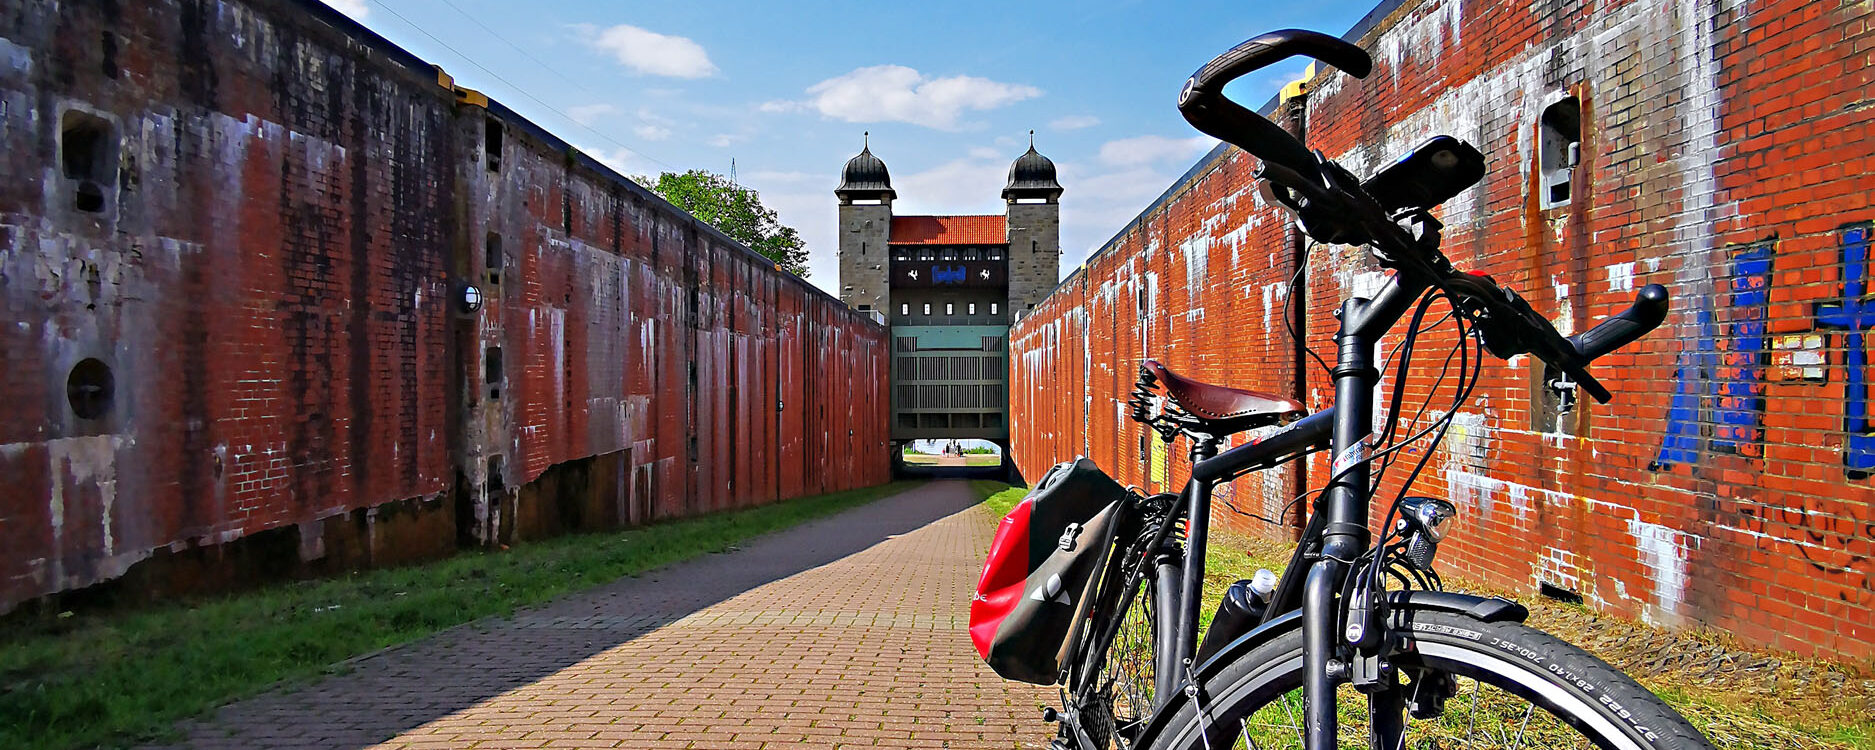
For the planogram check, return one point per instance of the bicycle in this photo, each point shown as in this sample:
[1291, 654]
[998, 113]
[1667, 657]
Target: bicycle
[1351, 614]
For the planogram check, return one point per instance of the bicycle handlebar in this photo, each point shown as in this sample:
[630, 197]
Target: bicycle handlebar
[1511, 327]
[1647, 312]
[1204, 105]
[1336, 208]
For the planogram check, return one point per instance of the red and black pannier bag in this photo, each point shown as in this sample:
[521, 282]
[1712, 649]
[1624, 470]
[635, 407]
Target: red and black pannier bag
[1041, 571]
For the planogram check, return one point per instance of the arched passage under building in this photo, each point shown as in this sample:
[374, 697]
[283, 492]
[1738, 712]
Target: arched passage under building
[955, 459]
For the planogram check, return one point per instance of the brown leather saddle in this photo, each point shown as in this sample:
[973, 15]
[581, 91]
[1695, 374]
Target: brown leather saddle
[1213, 410]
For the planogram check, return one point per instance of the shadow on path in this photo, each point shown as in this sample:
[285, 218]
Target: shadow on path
[927, 471]
[379, 696]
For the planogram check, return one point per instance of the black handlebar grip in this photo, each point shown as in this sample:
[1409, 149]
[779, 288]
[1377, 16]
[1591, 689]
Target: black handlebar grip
[1647, 312]
[1204, 105]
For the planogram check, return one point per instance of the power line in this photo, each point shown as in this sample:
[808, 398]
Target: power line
[537, 61]
[518, 89]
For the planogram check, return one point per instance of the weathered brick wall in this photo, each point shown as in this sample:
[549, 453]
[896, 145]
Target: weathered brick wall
[629, 328]
[1724, 153]
[257, 216]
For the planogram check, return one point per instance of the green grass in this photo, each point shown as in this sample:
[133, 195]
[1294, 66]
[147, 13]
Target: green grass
[999, 498]
[1730, 717]
[116, 677]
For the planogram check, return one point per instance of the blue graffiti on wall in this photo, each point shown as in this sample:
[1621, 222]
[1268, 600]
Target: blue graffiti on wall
[1719, 399]
[1853, 314]
[948, 274]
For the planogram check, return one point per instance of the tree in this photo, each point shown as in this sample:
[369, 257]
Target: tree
[735, 211]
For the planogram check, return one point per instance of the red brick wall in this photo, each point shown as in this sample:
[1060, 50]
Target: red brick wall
[600, 327]
[288, 207]
[1724, 154]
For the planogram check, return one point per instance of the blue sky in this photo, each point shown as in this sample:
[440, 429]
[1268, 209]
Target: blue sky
[949, 91]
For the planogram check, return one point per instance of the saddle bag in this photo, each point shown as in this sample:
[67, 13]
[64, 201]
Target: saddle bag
[1041, 571]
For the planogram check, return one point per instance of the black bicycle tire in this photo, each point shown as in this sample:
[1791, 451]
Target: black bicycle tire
[1513, 652]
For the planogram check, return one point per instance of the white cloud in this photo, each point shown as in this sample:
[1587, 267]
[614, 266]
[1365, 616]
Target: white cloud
[1153, 149]
[984, 152]
[1074, 122]
[620, 160]
[724, 140]
[961, 186]
[813, 214]
[357, 9]
[652, 132]
[1104, 195]
[651, 53]
[895, 93]
[781, 106]
[587, 114]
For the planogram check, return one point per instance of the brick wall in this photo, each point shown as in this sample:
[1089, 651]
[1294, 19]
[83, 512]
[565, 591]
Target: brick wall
[1723, 152]
[257, 217]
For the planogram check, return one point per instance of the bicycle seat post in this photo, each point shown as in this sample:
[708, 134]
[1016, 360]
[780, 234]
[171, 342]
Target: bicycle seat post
[1197, 529]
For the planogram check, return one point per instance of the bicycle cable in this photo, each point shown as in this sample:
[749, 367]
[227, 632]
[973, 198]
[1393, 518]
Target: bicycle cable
[1468, 366]
[1289, 318]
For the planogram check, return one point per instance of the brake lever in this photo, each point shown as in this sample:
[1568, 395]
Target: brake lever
[1527, 332]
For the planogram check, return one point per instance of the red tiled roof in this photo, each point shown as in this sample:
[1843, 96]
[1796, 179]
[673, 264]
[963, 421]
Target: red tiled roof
[949, 230]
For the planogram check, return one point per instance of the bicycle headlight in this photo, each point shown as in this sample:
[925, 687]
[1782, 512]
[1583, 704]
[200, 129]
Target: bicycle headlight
[1428, 514]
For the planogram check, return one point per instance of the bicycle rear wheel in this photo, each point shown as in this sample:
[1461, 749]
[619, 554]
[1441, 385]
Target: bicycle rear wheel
[1113, 687]
[1479, 685]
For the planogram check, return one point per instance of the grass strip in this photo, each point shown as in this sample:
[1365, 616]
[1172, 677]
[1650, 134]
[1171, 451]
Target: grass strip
[116, 677]
[1001, 498]
[1731, 715]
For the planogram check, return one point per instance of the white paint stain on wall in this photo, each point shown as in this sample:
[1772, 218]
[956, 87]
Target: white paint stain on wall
[1564, 319]
[78, 464]
[1272, 293]
[1620, 277]
[1662, 550]
[1425, 34]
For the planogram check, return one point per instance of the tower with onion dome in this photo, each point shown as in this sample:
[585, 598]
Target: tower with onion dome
[865, 194]
[1033, 197]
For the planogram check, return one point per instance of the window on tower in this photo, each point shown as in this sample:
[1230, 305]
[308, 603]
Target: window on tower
[992, 308]
[904, 308]
[973, 308]
[950, 309]
[927, 308]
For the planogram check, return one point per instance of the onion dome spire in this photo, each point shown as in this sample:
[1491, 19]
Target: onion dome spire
[1032, 176]
[865, 177]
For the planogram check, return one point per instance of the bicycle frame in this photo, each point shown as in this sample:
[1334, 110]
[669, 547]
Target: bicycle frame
[1337, 532]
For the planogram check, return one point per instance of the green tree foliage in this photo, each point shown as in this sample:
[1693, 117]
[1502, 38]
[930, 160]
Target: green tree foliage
[735, 211]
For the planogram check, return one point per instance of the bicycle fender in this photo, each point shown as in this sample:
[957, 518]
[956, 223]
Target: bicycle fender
[1482, 609]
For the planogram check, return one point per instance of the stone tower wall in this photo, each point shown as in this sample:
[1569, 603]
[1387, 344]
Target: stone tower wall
[864, 272]
[1034, 252]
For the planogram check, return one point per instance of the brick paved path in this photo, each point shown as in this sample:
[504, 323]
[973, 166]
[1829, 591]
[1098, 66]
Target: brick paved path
[843, 632]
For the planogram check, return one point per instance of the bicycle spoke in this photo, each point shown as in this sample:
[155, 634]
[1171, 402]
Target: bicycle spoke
[1301, 741]
[1243, 730]
[1473, 728]
[1527, 713]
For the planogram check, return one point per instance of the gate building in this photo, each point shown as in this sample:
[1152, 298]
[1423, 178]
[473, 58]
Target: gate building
[949, 287]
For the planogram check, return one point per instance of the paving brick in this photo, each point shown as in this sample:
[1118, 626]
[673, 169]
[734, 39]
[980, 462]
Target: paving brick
[847, 631]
